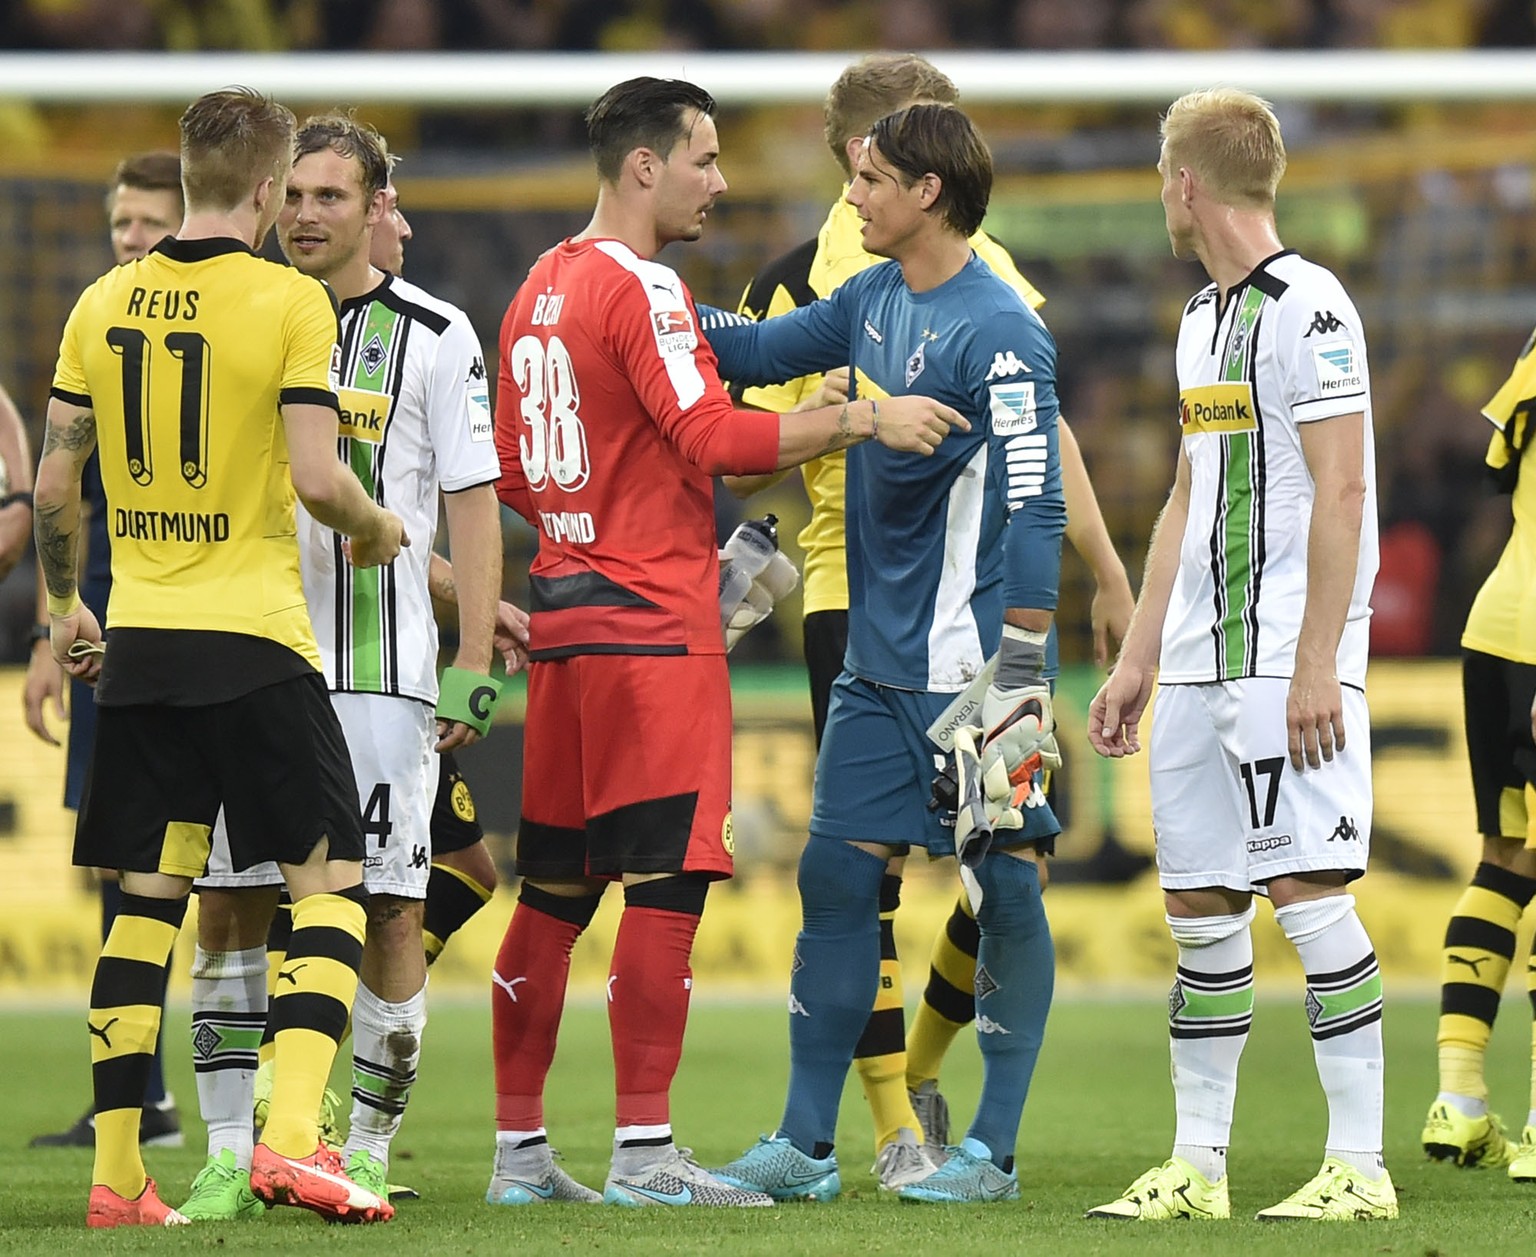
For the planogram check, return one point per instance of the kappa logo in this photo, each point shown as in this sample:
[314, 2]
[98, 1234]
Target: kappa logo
[1257, 846]
[1345, 831]
[373, 355]
[477, 368]
[796, 1008]
[1004, 365]
[985, 1025]
[915, 365]
[873, 333]
[419, 858]
[1323, 321]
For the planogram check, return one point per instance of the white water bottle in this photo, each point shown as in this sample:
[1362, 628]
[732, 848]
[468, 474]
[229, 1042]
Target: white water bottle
[747, 552]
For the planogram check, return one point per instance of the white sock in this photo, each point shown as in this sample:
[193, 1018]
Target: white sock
[1209, 1011]
[229, 1014]
[1344, 1012]
[386, 1046]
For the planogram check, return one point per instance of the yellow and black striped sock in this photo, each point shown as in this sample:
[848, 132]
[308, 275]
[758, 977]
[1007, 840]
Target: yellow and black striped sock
[949, 999]
[278, 934]
[452, 898]
[881, 1054]
[1479, 948]
[315, 990]
[1530, 986]
[127, 994]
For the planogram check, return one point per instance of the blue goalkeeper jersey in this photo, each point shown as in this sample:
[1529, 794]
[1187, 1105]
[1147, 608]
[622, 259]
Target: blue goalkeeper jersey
[937, 546]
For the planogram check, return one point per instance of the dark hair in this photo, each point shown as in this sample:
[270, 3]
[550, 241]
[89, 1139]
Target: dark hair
[348, 138]
[872, 87]
[158, 171]
[940, 140]
[230, 141]
[641, 113]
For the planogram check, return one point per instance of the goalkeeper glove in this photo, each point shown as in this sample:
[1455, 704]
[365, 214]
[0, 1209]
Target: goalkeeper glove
[1017, 726]
[985, 806]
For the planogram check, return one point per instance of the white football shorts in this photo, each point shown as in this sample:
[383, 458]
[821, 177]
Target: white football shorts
[1227, 807]
[390, 740]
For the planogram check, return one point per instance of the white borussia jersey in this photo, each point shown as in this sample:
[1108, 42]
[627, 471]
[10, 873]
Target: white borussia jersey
[415, 416]
[1287, 349]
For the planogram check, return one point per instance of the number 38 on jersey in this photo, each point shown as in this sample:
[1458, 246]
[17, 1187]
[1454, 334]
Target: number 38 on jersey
[554, 448]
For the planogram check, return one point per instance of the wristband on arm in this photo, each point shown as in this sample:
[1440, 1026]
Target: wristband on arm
[469, 698]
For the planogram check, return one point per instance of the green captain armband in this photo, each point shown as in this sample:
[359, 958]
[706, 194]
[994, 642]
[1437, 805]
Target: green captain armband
[468, 697]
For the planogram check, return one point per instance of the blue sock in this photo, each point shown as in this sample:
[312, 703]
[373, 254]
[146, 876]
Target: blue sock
[831, 985]
[1015, 976]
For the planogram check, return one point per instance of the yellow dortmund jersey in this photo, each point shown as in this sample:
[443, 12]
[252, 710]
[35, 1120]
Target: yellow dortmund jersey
[1502, 621]
[815, 270]
[184, 357]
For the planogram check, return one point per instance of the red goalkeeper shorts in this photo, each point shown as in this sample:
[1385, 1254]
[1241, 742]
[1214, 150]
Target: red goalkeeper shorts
[626, 767]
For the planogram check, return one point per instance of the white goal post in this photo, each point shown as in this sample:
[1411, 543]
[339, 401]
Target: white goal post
[546, 79]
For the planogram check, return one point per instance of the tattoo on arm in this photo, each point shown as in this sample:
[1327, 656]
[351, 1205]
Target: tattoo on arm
[77, 435]
[842, 436]
[56, 548]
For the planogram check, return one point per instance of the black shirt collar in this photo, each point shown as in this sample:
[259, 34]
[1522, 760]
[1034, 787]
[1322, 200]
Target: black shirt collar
[200, 250]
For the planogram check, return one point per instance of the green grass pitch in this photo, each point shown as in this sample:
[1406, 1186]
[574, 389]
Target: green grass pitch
[1099, 1113]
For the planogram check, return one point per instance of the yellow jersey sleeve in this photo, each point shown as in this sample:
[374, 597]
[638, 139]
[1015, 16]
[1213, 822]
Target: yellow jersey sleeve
[1512, 403]
[69, 382]
[775, 397]
[309, 358]
[1001, 262]
[1502, 621]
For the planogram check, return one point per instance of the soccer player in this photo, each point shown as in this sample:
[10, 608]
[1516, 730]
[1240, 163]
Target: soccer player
[414, 419]
[463, 876]
[1253, 616]
[1498, 672]
[143, 206]
[900, 1078]
[611, 419]
[950, 561]
[211, 696]
[15, 486]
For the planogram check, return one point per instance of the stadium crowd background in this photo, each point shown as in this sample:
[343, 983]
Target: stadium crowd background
[1426, 210]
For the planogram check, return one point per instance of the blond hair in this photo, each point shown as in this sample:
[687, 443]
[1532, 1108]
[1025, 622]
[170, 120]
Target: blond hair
[230, 141]
[877, 85]
[1231, 140]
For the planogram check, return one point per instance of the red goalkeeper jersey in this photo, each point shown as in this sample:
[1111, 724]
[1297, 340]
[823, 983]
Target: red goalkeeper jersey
[610, 422]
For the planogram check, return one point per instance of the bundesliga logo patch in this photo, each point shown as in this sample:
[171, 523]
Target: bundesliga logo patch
[674, 331]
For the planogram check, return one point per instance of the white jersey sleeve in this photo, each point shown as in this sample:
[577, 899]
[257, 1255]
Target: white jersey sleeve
[459, 423]
[1320, 350]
